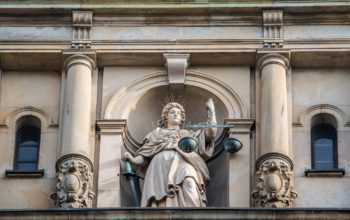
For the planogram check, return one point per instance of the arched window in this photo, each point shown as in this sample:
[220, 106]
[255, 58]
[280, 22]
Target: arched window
[28, 129]
[324, 142]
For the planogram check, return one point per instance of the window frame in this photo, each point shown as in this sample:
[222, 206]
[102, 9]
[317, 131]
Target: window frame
[16, 161]
[324, 119]
[11, 124]
[334, 146]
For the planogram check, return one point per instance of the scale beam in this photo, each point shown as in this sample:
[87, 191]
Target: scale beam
[208, 126]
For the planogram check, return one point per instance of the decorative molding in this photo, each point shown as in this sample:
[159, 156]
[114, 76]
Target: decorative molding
[71, 156]
[74, 182]
[82, 23]
[241, 126]
[267, 57]
[273, 28]
[307, 114]
[117, 107]
[274, 181]
[274, 155]
[176, 65]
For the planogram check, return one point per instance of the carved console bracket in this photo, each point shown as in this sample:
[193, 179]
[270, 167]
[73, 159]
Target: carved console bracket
[74, 182]
[274, 181]
[176, 65]
[273, 28]
[82, 23]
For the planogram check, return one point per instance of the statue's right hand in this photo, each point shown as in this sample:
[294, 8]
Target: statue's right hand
[128, 156]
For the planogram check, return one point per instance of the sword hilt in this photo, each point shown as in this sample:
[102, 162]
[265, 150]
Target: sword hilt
[129, 172]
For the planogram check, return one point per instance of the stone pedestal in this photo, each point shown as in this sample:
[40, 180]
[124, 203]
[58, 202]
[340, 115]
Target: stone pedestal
[274, 167]
[74, 168]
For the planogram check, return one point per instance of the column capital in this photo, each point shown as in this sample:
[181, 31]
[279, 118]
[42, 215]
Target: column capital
[267, 57]
[85, 58]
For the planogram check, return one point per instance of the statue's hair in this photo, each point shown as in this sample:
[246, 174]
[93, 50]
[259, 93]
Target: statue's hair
[164, 122]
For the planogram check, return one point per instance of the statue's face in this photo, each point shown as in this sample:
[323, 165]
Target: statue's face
[174, 116]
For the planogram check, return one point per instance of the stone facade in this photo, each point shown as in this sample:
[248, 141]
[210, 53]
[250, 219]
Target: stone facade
[97, 74]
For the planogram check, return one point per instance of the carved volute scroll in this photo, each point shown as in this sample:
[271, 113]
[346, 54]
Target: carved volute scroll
[74, 183]
[274, 182]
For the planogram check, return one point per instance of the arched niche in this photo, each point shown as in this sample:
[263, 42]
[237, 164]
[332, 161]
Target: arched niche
[141, 101]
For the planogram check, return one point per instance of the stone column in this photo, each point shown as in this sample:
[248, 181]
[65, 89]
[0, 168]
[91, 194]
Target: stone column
[274, 167]
[74, 167]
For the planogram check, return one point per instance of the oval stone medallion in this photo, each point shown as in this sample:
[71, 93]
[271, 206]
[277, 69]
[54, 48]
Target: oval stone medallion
[274, 183]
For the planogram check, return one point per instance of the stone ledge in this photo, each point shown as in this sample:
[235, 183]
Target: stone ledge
[24, 173]
[179, 213]
[339, 172]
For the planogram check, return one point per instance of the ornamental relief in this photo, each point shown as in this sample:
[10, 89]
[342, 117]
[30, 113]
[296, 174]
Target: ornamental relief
[274, 185]
[73, 185]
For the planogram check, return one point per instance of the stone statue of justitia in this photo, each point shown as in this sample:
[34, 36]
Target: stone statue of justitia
[175, 178]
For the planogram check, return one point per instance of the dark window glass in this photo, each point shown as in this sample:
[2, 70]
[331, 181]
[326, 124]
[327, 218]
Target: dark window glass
[324, 147]
[27, 144]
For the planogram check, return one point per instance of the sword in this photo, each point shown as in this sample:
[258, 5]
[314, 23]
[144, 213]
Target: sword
[130, 177]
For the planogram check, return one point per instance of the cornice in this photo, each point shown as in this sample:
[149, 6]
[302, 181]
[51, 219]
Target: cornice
[229, 18]
[154, 4]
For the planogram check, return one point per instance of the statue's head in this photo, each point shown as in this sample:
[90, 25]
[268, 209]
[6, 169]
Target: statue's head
[172, 108]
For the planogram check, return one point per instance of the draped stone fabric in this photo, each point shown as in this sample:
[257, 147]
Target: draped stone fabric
[175, 178]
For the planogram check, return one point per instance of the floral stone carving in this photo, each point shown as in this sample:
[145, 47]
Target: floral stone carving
[73, 184]
[274, 184]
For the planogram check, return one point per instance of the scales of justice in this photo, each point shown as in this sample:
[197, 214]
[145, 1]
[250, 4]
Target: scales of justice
[172, 160]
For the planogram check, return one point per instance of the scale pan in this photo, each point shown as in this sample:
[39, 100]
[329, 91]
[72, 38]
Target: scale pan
[232, 145]
[188, 144]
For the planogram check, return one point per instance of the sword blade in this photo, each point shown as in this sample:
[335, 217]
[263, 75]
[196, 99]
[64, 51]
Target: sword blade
[133, 189]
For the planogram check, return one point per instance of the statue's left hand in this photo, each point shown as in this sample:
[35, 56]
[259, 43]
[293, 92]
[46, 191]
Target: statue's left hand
[210, 105]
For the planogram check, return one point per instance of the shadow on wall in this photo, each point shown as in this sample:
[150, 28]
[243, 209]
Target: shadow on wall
[143, 118]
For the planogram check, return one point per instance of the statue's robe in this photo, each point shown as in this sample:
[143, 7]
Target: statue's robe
[169, 167]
